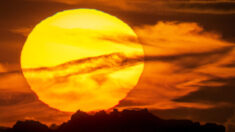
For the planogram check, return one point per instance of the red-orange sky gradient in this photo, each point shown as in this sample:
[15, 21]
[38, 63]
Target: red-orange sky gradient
[189, 70]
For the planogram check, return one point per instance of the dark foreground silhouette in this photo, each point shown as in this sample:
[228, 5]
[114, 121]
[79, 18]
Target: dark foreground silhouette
[125, 121]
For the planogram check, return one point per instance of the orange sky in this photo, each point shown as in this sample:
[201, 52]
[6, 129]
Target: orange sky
[189, 57]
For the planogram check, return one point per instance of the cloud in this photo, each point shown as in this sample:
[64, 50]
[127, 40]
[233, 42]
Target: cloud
[181, 53]
[182, 50]
[11, 44]
[118, 4]
[118, 61]
[213, 94]
[181, 60]
[219, 114]
[14, 98]
[184, 6]
[95, 67]
[179, 37]
[31, 110]
[18, 102]
[2, 68]
[203, 7]
[23, 31]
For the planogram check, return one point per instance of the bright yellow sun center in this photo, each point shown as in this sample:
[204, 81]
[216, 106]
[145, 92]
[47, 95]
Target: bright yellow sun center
[78, 59]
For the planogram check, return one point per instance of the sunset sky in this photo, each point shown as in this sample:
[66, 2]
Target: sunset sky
[189, 57]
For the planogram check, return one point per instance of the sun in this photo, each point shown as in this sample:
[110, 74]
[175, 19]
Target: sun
[77, 59]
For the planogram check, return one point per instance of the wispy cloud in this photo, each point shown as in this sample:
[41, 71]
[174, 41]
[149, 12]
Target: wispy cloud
[191, 56]
[185, 6]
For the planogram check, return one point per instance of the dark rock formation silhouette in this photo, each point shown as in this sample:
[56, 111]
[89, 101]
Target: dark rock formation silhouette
[125, 121]
[3, 129]
[28, 126]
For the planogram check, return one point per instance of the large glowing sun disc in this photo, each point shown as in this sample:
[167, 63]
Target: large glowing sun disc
[74, 60]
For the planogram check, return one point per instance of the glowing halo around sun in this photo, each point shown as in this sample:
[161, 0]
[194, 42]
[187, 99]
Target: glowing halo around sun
[77, 59]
